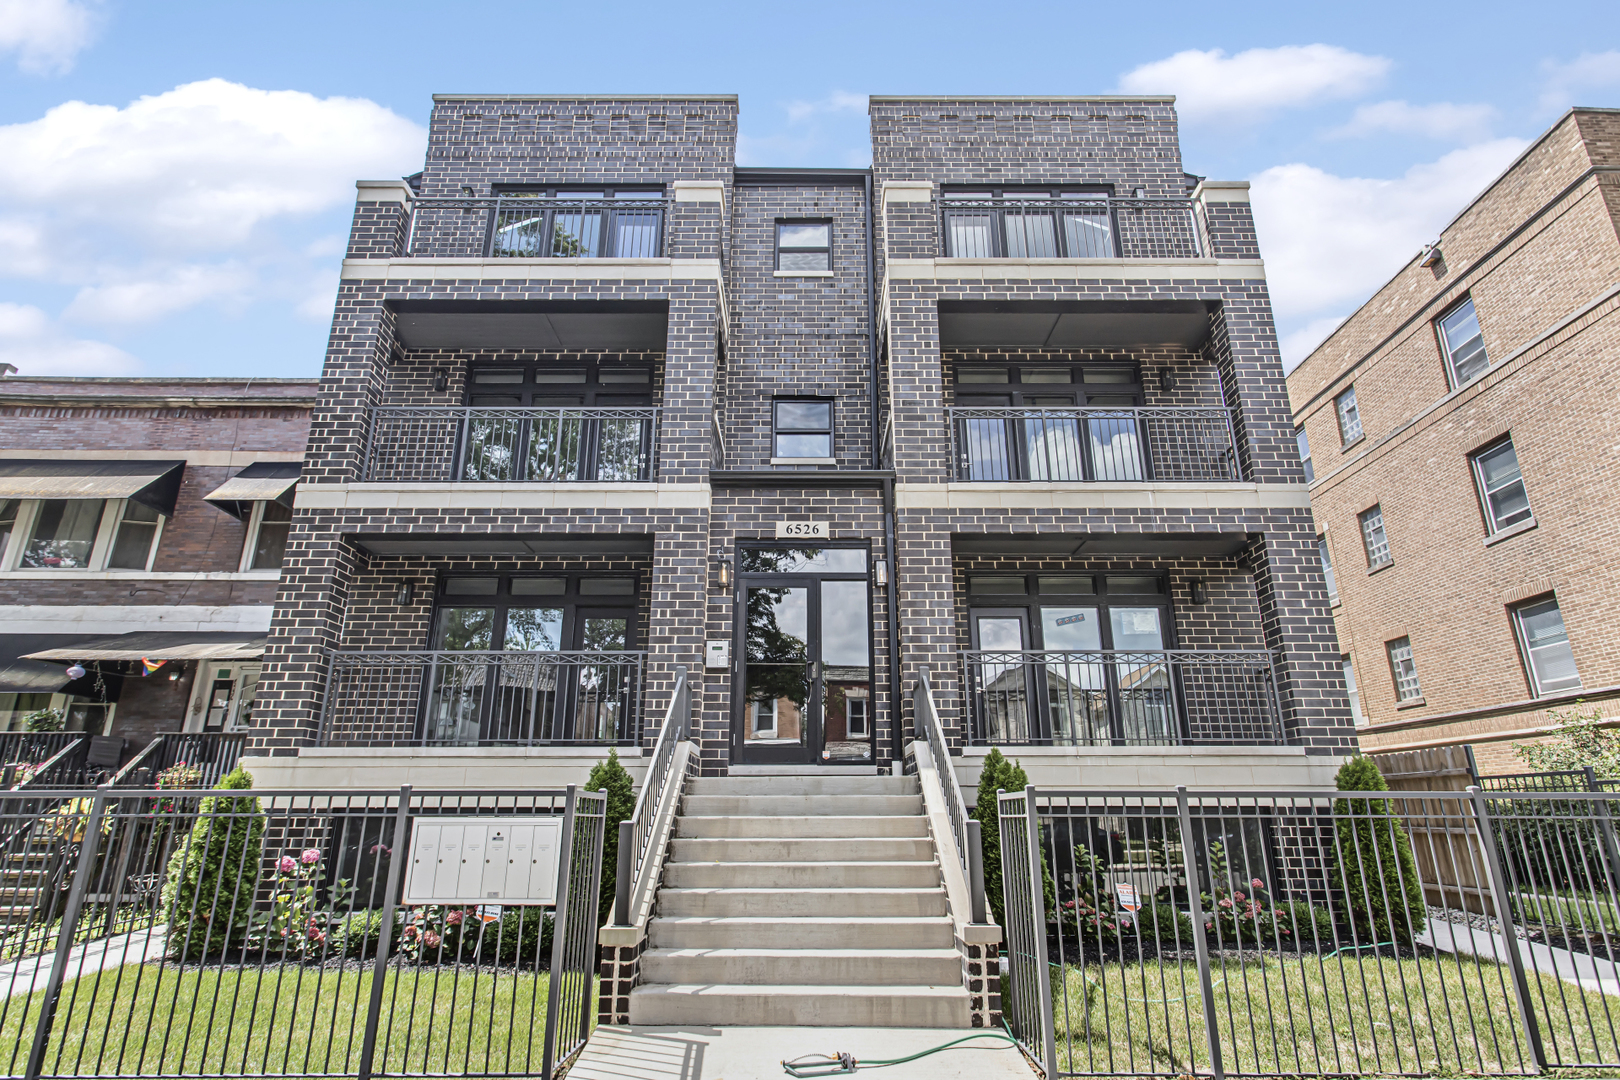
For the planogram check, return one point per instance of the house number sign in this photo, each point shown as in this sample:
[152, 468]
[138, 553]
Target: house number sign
[801, 530]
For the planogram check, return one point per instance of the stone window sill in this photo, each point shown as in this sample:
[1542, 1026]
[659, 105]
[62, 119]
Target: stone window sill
[1511, 531]
[1380, 567]
[1353, 443]
[804, 461]
[805, 273]
[1411, 703]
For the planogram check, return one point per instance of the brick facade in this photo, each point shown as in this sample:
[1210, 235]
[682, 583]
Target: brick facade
[1539, 255]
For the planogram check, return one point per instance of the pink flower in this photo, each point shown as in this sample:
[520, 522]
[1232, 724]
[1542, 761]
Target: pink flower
[431, 940]
[375, 848]
[454, 918]
[1226, 903]
[1257, 883]
[310, 857]
[1238, 896]
[410, 931]
[287, 864]
[1209, 926]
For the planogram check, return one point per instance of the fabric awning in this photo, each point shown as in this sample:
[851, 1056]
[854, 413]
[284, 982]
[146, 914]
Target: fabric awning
[159, 645]
[262, 481]
[150, 483]
[19, 676]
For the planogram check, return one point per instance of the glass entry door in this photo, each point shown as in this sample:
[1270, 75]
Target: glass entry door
[804, 677]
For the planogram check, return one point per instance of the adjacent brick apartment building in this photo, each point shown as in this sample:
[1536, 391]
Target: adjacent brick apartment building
[1459, 434]
[141, 518]
[598, 403]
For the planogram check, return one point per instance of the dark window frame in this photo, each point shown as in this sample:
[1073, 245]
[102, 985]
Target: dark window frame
[1101, 597]
[777, 430]
[571, 600]
[1484, 495]
[776, 238]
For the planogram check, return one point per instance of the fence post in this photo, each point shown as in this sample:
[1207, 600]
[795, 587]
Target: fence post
[622, 875]
[1206, 986]
[559, 932]
[593, 889]
[1504, 920]
[975, 870]
[1037, 903]
[64, 938]
[1611, 850]
[385, 932]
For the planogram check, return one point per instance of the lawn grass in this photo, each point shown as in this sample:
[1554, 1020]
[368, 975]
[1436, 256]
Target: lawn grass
[1368, 1015]
[153, 1019]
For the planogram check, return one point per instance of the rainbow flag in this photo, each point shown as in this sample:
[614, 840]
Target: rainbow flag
[152, 665]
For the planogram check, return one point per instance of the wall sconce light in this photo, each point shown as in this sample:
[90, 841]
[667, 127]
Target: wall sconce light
[1430, 256]
[723, 572]
[1141, 193]
[880, 573]
[441, 380]
[406, 595]
[1200, 594]
[174, 674]
[1167, 380]
[466, 189]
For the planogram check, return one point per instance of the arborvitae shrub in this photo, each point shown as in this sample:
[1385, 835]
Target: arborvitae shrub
[1374, 873]
[214, 872]
[611, 777]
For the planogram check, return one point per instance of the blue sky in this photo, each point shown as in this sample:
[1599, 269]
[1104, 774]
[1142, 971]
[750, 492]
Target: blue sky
[176, 179]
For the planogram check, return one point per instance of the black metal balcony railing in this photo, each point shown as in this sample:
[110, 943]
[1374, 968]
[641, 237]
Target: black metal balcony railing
[486, 445]
[523, 227]
[1116, 698]
[1095, 228]
[445, 698]
[1092, 444]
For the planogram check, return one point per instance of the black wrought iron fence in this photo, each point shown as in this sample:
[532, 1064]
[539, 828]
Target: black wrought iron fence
[535, 227]
[207, 755]
[483, 698]
[1055, 445]
[1288, 933]
[242, 933]
[1083, 227]
[492, 445]
[1122, 698]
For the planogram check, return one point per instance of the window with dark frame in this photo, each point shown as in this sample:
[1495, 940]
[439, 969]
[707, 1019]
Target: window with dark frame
[535, 612]
[135, 537]
[1373, 537]
[1548, 659]
[1502, 496]
[1462, 344]
[1403, 670]
[801, 428]
[803, 246]
[1029, 222]
[266, 540]
[1349, 414]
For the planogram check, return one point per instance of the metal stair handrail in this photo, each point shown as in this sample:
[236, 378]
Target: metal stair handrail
[965, 830]
[660, 784]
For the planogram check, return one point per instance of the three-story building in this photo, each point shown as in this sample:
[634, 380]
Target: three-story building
[1000, 421]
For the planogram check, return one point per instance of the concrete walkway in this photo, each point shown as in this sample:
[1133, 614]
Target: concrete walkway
[1586, 971]
[756, 1053]
[33, 972]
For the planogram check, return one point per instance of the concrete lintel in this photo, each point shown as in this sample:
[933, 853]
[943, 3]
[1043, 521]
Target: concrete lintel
[627, 496]
[389, 191]
[699, 191]
[132, 618]
[1100, 496]
[470, 269]
[1099, 270]
[1212, 191]
[908, 191]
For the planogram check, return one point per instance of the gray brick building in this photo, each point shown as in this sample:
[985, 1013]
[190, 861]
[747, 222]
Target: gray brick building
[1006, 408]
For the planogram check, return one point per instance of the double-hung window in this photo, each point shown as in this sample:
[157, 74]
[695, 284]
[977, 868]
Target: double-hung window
[802, 430]
[804, 247]
[1327, 568]
[265, 545]
[1305, 453]
[1501, 487]
[1356, 714]
[1462, 344]
[1403, 669]
[1539, 626]
[1373, 538]
[78, 534]
[1349, 416]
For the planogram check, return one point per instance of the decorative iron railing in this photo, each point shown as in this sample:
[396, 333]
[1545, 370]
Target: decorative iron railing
[1122, 698]
[1092, 444]
[535, 227]
[965, 831]
[659, 784]
[489, 445]
[447, 698]
[1100, 227]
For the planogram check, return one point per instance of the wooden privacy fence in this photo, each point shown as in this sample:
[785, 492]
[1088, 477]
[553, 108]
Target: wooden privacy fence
[1445, 843]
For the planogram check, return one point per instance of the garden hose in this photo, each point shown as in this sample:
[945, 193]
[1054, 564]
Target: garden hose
[843, 1063]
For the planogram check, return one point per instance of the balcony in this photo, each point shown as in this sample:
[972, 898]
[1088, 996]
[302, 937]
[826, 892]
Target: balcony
[444, 699]
[512, 445]
[1099, 227]
[1117, 698]
[1078, 444]
[530, 227]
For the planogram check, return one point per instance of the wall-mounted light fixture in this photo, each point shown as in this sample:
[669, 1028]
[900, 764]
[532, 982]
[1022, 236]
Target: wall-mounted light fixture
[406, 594]
[1167, 381]
[1200, 594]
[441, 380]
[1430, 256]
[723, 572]
[880, 573]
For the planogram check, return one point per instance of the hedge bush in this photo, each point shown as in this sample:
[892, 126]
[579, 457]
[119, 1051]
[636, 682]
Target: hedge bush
[215, 872]
[1374, 871]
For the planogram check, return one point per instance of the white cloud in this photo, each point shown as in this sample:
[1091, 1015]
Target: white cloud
[1331, 241]
[1212, 85]
[1442, 120]
[816, 132]
[35, 346]
[837, 101]
[1586, 73]
[144, 298]
[46, 35]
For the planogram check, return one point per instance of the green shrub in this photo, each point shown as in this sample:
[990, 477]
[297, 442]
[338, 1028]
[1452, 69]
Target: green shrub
[214, 873]
[611, 777]
[46, 720]
[450, 935]
[998, 772]
[1374, 870]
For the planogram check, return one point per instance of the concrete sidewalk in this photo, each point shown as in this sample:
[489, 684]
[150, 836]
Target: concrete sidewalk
[756, 1053]
[1586, 971]
[33, 973]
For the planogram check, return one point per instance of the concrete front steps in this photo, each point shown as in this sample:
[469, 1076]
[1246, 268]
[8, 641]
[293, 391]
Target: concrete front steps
[801, 901]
